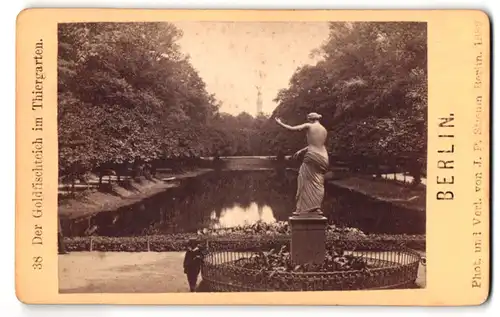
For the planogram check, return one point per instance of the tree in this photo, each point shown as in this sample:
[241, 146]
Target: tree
[371, 88]
[128, 95]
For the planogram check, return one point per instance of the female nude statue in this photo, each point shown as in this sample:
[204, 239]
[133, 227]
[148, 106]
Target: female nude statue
[310, 182]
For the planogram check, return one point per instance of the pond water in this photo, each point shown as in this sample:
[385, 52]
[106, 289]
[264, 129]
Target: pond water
[232, 198]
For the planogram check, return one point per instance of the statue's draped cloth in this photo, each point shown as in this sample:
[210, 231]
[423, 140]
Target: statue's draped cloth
[310, 182]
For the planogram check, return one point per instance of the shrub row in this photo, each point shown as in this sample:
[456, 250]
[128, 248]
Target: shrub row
[179, 242]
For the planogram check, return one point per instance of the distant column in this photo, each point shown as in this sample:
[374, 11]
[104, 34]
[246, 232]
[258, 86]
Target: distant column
[259, 100]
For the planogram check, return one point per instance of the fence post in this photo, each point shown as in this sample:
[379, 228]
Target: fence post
[91, 243]
[148, 244]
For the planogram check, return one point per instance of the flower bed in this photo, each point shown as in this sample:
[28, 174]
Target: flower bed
[275, 228]
[349, 265]
[280, 261]
[281, 230]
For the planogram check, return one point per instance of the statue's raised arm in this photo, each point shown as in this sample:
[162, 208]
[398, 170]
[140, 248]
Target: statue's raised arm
[293, 128]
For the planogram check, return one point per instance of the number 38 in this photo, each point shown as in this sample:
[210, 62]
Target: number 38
[37, 263]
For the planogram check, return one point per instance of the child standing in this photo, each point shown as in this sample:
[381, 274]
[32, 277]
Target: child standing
[60, 239]
[192, 263]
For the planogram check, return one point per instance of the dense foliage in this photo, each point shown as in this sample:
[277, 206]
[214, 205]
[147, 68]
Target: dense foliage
[128, 97]
[371, 88]
[242, 134]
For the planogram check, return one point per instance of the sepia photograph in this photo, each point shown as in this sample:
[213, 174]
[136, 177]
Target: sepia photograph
[202, 156]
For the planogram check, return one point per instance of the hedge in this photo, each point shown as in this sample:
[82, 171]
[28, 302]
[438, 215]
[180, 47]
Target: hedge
[179, 242]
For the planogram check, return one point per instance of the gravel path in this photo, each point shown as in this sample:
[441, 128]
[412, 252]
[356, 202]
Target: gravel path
[122, 272]
[134, 272]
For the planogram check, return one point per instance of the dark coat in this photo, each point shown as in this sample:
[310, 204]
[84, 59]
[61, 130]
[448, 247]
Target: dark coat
[192, 260]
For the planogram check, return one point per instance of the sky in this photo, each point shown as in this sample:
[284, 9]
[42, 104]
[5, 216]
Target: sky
[235, 57]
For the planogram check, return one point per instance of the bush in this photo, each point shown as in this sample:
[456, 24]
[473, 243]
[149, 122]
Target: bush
[247, 242]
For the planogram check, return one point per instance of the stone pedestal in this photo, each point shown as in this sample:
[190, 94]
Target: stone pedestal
[308, 238]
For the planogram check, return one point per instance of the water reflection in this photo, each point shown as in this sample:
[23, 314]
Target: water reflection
[242, 216]
[232, 198]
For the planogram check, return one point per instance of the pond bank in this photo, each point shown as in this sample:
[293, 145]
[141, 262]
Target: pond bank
[96, 201]
[93, 201]
[386, 191]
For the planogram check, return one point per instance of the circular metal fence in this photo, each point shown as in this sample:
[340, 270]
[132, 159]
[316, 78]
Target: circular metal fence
[389, 266]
